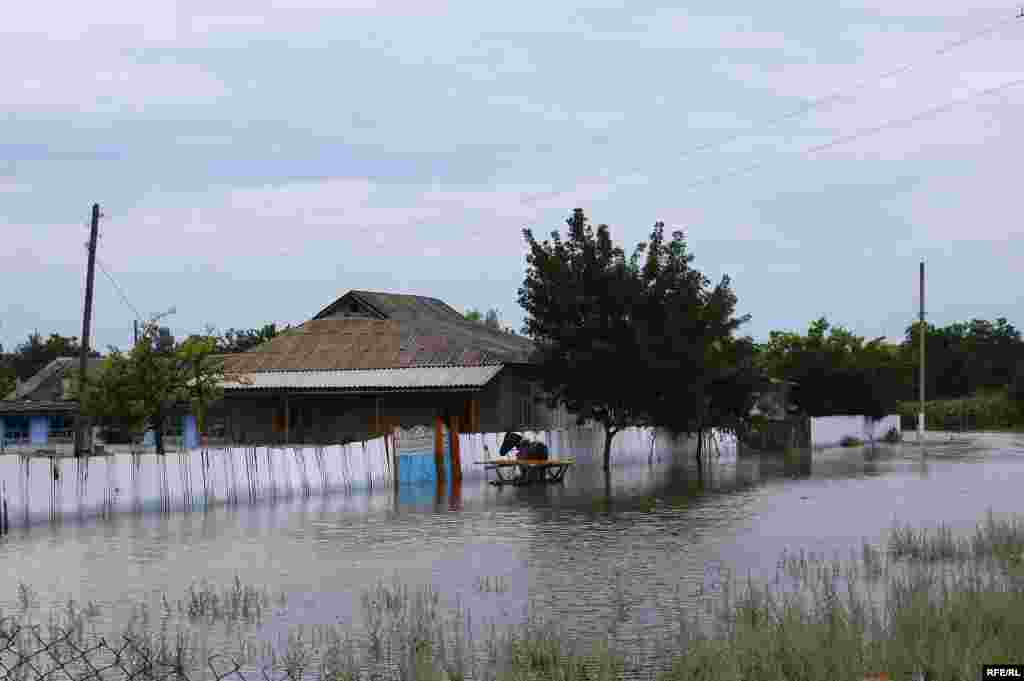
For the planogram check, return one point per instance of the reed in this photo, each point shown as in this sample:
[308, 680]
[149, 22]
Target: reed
[929, 605]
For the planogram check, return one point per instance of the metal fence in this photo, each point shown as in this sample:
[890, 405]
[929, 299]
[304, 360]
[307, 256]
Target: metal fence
[49, 653]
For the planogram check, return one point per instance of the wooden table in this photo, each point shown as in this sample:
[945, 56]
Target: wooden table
[527, 471]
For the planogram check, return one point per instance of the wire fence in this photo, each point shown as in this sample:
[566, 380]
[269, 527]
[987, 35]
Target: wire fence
[51, 653]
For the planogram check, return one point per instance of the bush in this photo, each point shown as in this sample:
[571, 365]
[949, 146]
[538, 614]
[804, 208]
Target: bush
[985, 411]
[893, 436]
[850, 441]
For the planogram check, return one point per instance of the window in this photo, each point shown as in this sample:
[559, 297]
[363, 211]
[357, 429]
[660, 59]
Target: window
[15, 429]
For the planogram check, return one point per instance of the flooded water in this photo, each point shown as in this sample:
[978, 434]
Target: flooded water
[595, 553]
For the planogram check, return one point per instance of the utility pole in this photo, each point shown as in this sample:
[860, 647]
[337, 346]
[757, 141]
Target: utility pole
[923, 331]
[81, 440]
[136, 342]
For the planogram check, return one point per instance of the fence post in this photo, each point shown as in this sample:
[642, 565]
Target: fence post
[456, 451]
[439, 447]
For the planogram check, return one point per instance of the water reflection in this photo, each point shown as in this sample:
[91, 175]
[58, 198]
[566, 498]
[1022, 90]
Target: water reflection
[620, 552]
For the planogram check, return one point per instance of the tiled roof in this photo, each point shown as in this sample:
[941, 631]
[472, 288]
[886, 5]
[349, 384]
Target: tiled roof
[372, 380]
[329, 344]
[434, 333]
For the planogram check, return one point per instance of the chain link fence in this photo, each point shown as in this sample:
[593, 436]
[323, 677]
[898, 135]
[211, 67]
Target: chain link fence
[45, 653]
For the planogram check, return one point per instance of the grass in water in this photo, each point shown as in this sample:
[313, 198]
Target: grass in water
[929, 604]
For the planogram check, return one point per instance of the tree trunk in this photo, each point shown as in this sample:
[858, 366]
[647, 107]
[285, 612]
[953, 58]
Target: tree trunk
[700, 446]
[158, 435]
[609, 433]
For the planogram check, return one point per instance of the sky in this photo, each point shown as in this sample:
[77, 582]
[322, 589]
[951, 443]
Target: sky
[256, 159]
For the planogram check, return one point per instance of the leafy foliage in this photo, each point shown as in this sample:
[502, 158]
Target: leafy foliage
[8, 377]
[490, 319]
[631, 341]
[236, 340]
[837, 372]
[140, 389]
[35, 353]
[965, 357]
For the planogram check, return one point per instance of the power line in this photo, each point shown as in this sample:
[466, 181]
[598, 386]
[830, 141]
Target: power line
[865, 132]
[860, 85]
[120, 291]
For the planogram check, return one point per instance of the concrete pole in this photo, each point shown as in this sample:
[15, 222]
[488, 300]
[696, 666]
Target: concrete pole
[82, 445]
[924, 332]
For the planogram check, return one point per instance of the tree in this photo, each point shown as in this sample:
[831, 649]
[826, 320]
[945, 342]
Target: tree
[836, 372]
[236, 340]
[622, 344]
[1016, 389]
[201, 374]
[8, 377]
[702, 376]
[965, 357]
[492, 320]
[140, 389]
[35, 353]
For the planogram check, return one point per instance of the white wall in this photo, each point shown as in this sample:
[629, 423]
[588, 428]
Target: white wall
[828, 431]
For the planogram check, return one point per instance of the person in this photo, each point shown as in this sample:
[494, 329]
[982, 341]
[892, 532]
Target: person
[525, 449]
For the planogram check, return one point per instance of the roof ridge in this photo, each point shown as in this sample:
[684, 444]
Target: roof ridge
[408, 368]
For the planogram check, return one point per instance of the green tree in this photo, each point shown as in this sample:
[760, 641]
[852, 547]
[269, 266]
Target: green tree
[702, 376]
[8, 377]
[623, 343]
[965, 357]
[837, 372]
[492, 320]
[237, 340]
[142, 388]
[35, 353]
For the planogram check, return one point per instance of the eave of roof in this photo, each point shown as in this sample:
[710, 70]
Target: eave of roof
[427, 378]
[29, 406]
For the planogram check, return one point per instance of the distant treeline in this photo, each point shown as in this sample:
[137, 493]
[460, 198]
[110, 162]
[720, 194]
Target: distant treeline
[27, 358]
[976, 358]
[830, 365]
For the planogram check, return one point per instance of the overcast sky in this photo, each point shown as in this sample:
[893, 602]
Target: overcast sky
[255, 159]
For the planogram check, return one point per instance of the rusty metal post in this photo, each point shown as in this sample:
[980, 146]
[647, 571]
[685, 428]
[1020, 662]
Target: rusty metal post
[456, 451]
[439, 448]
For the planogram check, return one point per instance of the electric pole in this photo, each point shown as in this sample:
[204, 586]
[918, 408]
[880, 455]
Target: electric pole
[923, 331]
[83, 363]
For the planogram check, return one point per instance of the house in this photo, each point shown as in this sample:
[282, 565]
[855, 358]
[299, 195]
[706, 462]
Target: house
[41, 411]
[370, 362]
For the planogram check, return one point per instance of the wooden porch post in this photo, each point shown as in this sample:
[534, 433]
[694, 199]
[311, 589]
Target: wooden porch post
[456, 451]
[439, 447]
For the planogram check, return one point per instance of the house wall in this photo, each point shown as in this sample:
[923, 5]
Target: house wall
[828, 431]
[507, 402]
[330, 419]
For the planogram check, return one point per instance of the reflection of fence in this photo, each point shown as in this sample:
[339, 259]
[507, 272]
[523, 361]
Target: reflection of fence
[777, 436]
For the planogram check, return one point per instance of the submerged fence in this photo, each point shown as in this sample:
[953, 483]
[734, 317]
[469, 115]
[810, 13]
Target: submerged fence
[36, 489]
